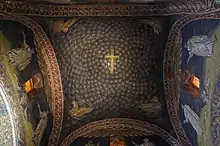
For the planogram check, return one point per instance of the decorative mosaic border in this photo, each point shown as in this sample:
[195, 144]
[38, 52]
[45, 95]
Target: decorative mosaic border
[50, 70]
[172, 71]
[119, 127]
[34, 9]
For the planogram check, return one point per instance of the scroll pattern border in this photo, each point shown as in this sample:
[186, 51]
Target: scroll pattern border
[182, 7]
[119, 124]
[53, 72]
[172, 71]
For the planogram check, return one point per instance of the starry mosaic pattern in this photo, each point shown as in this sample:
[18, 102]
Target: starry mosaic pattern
[85, 70]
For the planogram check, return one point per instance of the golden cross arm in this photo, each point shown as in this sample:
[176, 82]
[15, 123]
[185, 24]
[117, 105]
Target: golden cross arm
[112, 58]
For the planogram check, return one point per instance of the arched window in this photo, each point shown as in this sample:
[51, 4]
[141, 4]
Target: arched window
[117, 141]
[33, 84]
[191, 83]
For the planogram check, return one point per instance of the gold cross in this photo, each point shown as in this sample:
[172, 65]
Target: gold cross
[112, 58]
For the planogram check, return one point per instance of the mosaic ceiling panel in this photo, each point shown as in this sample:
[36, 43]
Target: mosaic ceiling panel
[107, 68]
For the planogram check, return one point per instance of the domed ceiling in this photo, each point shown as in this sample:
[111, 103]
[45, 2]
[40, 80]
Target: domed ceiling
[111, 68]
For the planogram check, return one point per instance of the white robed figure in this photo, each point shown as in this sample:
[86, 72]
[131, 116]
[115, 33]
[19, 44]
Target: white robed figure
[20, 58]
[192, 118]
[200, 46]
[38, 134]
